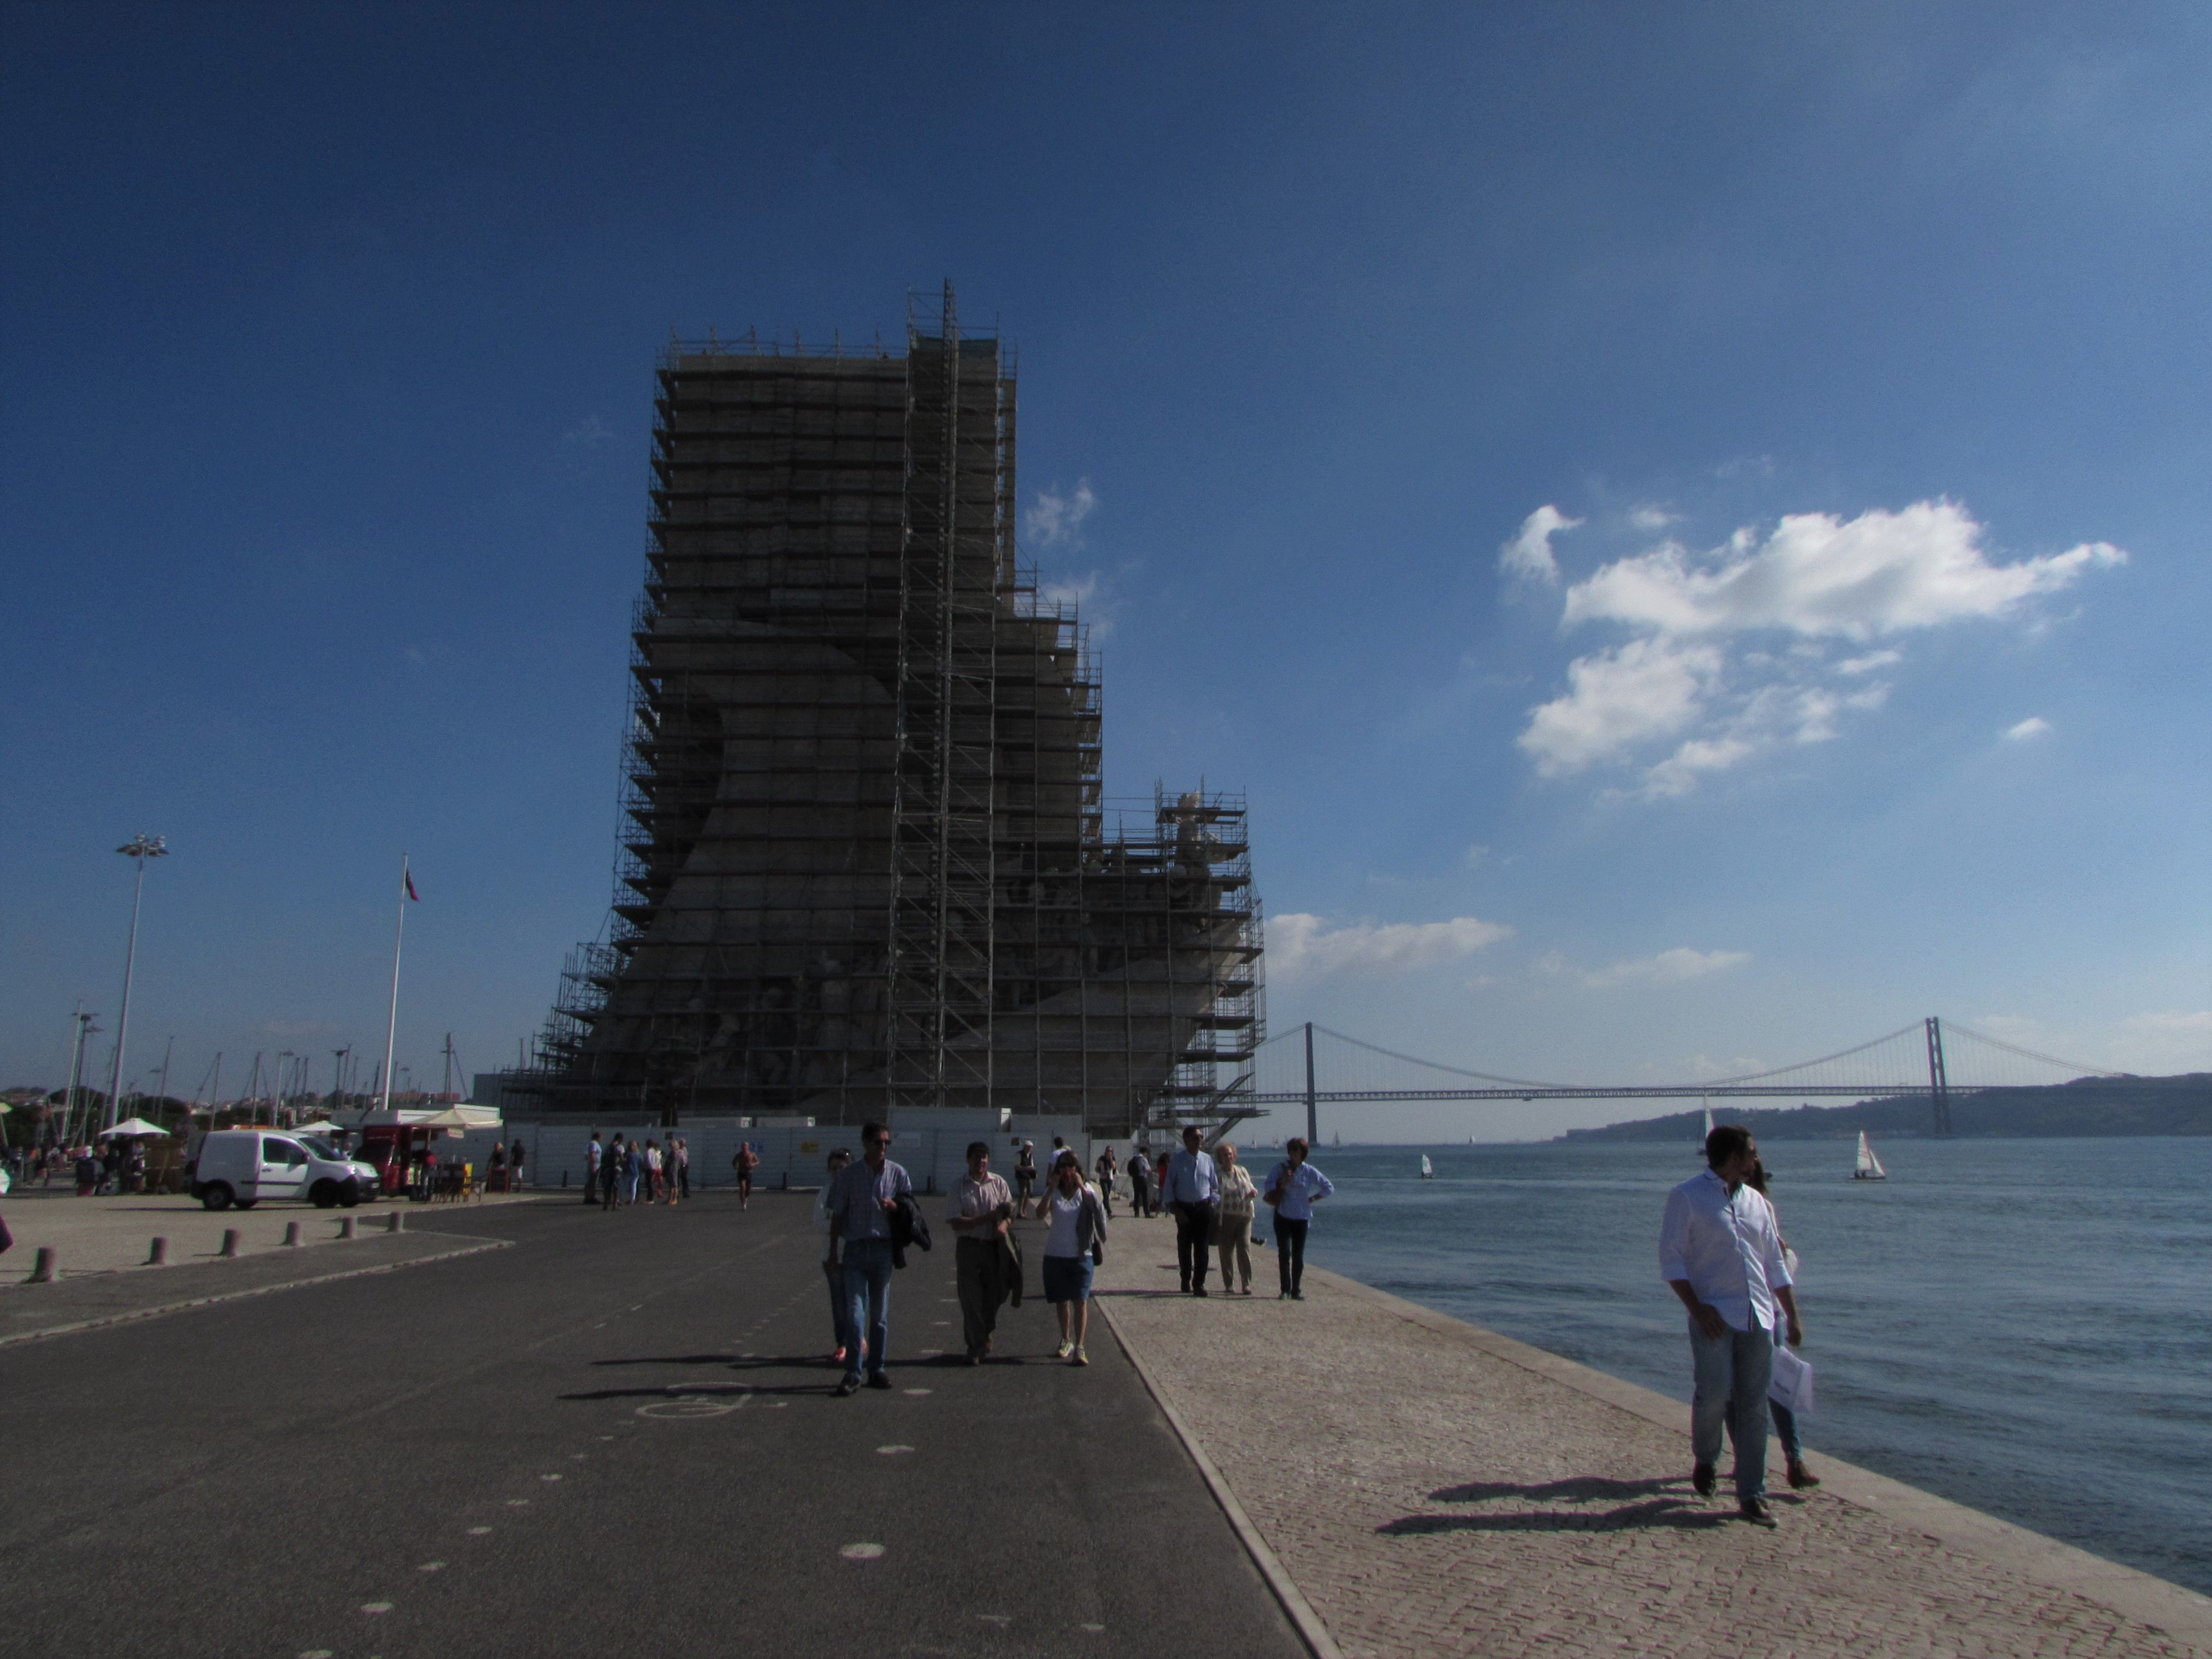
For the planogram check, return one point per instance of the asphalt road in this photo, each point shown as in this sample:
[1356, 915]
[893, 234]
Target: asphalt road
[617, 1437]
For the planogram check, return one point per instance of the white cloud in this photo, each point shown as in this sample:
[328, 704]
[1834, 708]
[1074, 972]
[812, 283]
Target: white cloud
[1300, 944]
[1057, 520]
[1528, 556]
[1652, 517]
[2033, 726]
[1648, 688]
[1822, 577]
[1477, 855]
[1692, 676]
[1668, 968]
[2196, 1020]
[1868, 663]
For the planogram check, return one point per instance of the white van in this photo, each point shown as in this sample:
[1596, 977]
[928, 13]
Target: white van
[244, 1166]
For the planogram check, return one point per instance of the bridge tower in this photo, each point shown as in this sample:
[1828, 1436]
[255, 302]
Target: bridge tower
[1939, 1084]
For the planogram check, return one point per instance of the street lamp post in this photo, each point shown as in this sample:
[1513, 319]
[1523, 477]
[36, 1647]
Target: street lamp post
[138, 848]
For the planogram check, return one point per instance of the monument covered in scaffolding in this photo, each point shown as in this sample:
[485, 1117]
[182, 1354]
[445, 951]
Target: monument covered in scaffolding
[865, 861]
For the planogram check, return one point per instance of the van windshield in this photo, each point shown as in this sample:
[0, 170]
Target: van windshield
[323, 1149]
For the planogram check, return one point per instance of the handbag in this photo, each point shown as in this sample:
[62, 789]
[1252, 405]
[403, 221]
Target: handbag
[1792, 1385]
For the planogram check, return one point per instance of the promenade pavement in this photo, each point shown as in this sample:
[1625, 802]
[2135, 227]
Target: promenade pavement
[113, 1234]
[1432, 1488]
[613, 1436]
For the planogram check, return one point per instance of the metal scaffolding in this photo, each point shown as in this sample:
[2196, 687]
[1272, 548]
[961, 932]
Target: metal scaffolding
[864, 863]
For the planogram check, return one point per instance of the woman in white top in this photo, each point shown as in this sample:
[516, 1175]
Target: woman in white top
[1078, 1228]
[1240, 1199]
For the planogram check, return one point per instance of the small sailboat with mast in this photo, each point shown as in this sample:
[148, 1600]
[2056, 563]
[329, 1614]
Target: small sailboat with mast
[1868, 1166]
[1428, 1170]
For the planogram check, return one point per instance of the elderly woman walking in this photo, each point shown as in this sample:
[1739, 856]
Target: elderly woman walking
[1239, 1200]
[1074, 1240]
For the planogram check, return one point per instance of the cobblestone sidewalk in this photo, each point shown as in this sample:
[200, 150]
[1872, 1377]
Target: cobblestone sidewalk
[1429, 1497]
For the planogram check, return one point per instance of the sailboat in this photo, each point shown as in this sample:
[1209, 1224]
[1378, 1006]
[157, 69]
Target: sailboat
[1706, 1139]
[1428, 1170]
[1869, 1167]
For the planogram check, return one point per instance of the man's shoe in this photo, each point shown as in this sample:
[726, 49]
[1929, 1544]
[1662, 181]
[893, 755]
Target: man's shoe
[1754, 1510]
[1064, 1349]
[1297, 1296]
[845, 1389]
[879, 1380]
[1801, 1478]
[1703, 1479]
[1081, 1358]
[1198, 1290]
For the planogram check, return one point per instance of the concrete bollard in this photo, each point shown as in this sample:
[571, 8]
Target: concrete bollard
[345, 1226]
[229, 1242]
[395, 1223]
[292, 1233]
[159, 1255]
[48, 1268]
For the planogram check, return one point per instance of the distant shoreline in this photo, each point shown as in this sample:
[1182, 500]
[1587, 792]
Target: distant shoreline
[2086, 1108]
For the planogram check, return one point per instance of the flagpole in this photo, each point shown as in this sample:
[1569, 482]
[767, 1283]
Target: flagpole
[392, 1025]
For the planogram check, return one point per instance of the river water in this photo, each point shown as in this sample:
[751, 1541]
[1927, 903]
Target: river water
[2023, 1326]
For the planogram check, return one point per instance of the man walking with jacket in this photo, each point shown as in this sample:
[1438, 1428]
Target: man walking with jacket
[861, 1201]
[978, 1214]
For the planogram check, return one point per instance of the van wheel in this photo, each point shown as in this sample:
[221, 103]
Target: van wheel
[248, 1203]
[349, 1194]
[325, 1194]
[216, 1195]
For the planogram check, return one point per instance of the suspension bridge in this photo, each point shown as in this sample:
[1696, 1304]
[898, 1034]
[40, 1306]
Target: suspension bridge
[1312, 1066]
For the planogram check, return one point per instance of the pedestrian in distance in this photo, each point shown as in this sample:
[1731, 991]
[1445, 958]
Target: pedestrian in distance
[1785, 1420]
[1106, 1167]
[744, 1163]
[633, 1170]
[1026, 1174]
[838, 1307]
[610, 1173]
[496, 1168]
[1240, 1200]
[515, 1168]
[682, 1166]
[1293, 1189]
[862, 1201]
[1140, 1181]
[651, 1179]
[593, 1153]
[1720, 1252]
[981, 1213]
[1074, 1243]
[1193, 1189]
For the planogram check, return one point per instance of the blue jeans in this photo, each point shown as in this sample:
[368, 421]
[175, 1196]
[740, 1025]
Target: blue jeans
[867, 1302]
[1732, 1372]
[1785, 1427]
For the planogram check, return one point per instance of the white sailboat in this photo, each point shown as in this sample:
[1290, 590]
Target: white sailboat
[1869, 1167]
[1428, 1170]
[1706, 1139]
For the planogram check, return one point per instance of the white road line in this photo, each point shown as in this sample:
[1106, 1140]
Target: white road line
[861, 1551]
[376, 1606]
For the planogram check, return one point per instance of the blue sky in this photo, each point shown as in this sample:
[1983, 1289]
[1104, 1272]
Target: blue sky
[1866, 347]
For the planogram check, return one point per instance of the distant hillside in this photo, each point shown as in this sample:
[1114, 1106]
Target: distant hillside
[2087, 1106]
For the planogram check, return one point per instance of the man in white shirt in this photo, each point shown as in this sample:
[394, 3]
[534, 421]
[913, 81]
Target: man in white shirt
[1720, 1253]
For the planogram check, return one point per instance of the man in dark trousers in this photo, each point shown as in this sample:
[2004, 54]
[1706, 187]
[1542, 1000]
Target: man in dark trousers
[1192, 1188]
[978, 1214]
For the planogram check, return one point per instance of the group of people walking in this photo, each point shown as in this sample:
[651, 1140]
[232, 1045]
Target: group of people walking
[1214, 1201]
[867, 1214]
[622, 1172]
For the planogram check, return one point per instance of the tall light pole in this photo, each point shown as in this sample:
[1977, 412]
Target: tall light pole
[138, 848]
[276, 1090]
